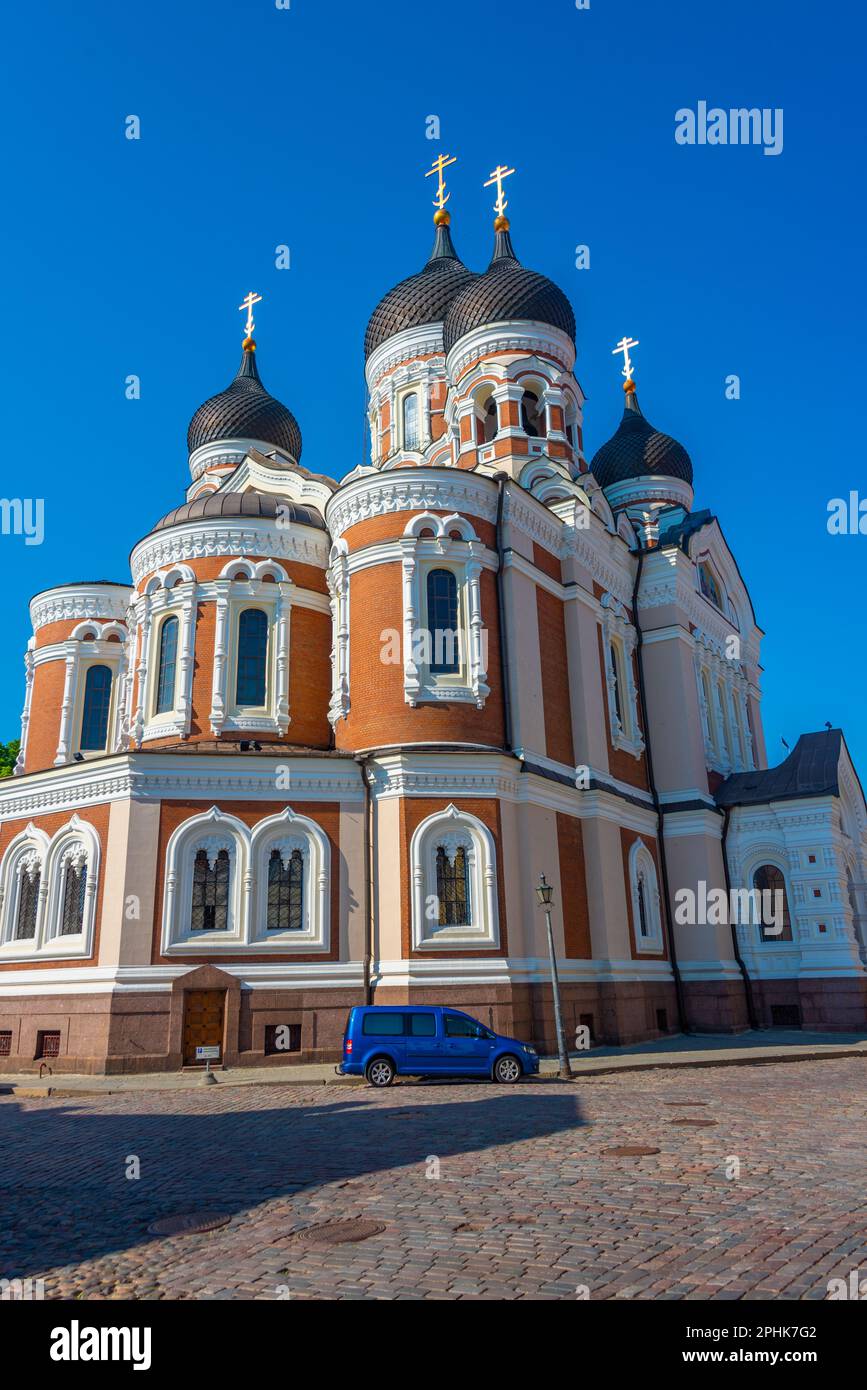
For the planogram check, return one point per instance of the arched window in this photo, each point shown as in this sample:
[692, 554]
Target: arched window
[410, 421]
[168, 661]
[252, 657]
[491, 423]
[710, 586]
[453, 887]
[776, 924]
[532, 417]
[285, 891]
[210, 906]
[615, 667]
[97, 703]
[644, 890]
[442, 620]
[74, 888]
[28, 901]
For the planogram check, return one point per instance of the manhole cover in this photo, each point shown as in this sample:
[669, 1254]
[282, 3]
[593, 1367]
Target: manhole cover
[702, 1123]
[631, 1151]
[340, 1232]
[192, 1224]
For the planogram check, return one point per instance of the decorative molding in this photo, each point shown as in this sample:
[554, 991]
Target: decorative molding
[93, 601]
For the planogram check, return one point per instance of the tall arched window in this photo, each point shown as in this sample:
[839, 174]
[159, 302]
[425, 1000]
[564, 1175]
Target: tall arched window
[641, 893]
[252, 658]
[168, 661]
[285, 891]
[442, 620]
[97, 704]
[615, 667]
[28, 901]
[768, 879]
[210, 907]
[410, 421]
[491, 423]
[453, 887]
[532, 417]
[74, 888]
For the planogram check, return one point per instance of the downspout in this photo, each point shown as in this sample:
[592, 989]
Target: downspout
[657, 804]
[502, 479]
[748, 984]
[364, 763]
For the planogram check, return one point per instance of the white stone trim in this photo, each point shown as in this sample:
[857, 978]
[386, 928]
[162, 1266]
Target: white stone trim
[75, 842]
[339, 591]
[453, 827]
[619, 639]
[216, 536]
[91, 601]
[642, 870]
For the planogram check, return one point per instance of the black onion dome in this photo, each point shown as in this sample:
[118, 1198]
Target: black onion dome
[508, 292]
[250, 504]
[421, 298]
[246, 411]
[637, 450]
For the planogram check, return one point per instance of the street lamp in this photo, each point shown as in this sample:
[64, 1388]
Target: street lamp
[545, 893]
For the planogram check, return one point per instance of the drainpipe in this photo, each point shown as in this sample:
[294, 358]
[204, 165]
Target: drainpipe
[657, 804]
[363, 764]
[748, 984]
[502, 479]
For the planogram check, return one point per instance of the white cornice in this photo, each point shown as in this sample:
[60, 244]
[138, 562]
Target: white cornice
[377, 494]
[412, 343]
[524, 337]
[70, 602]
[208, 536]
[222, 451]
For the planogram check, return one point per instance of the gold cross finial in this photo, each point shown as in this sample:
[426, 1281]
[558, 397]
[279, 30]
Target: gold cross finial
[247, 304]
[441, 163]
[501, 172]
[623, 346]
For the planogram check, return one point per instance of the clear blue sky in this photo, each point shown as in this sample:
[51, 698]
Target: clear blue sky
[307, 127]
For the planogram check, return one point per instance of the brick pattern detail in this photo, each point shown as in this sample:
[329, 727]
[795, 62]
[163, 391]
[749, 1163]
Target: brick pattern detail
[573, 887]
[555, 678]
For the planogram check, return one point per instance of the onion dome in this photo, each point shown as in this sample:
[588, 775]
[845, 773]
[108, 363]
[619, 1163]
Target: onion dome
[422, 298]
[637, 450]
[242, 505]
[506, 293]
[245, 410]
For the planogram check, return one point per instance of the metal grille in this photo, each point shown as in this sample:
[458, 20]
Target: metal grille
[75, 885]
[453, 888]
[210, 910]
[6, 1044]
[285, 892]
[47, 1044]
[28, 899]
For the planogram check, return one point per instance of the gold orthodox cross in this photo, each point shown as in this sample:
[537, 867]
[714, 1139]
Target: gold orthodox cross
[623, 346]
[441, 163]
[248, 305]
[501, 172]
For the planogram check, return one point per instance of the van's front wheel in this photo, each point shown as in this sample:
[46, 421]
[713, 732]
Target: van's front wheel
[507, 1070]
[380, 1072]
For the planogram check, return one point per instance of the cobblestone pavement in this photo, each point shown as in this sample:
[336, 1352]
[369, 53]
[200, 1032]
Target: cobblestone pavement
[527, 1202]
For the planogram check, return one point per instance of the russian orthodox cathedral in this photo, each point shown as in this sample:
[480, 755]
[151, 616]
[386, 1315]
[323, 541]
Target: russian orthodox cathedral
[319, 747]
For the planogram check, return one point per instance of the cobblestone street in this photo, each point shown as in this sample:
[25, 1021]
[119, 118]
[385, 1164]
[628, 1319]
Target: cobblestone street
[481, 1191]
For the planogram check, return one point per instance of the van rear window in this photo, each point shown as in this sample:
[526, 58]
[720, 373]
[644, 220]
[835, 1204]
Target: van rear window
[378, 1025]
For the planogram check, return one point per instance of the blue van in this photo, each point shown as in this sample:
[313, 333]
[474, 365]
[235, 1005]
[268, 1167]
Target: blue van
[382, 1041]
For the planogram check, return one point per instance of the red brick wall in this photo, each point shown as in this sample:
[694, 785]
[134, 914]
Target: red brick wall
[573, 886]
[555, 678]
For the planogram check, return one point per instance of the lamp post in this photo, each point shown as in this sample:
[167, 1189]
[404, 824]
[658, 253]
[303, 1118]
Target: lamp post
[545, 892]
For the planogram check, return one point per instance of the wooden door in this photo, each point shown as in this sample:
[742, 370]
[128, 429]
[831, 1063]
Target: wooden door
[203, 1022]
